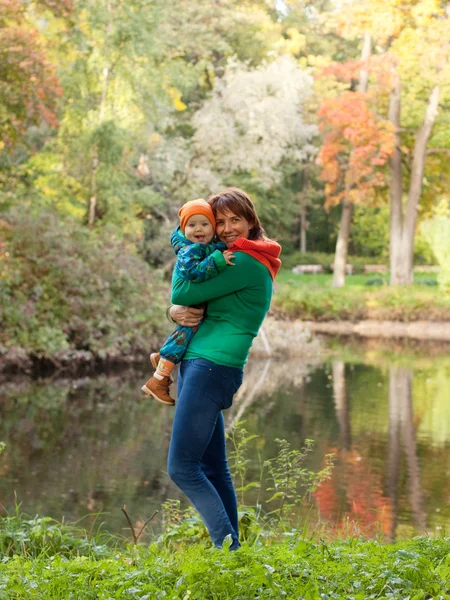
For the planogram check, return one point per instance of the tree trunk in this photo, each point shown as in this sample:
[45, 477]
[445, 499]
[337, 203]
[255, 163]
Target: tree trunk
[93, 198]
[403, 224]
[341, 404]
[401, 426]
[395, 187]
[406, 274]
[303, 228]
[365, 54]
[340, 259]
[405, 377]
[394, 452]
[105, 82]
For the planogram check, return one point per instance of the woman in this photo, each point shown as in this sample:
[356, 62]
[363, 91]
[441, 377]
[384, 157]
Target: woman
[212, 369]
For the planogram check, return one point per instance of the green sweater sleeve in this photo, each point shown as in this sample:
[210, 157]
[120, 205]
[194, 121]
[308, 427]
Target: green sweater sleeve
[232, 279]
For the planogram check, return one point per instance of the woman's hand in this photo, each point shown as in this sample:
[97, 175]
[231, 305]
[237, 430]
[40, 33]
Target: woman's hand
[186, 315]
[228, 256]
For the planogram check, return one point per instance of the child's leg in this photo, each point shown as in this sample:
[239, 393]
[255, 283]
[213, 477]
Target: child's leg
[173, 350]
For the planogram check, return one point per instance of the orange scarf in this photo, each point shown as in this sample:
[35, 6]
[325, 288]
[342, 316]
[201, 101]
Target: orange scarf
[265, 251]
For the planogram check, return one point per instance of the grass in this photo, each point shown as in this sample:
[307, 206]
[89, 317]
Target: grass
[294, 567]
[324, 280]
[311, 297]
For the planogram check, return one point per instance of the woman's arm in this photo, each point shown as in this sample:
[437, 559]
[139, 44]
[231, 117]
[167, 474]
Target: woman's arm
[230, 280]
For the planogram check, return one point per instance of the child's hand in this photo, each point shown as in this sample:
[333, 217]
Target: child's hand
[228, 256]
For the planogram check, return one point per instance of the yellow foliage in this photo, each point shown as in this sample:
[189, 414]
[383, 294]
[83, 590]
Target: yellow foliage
[175, 95]
[83, 22]
[425, 11]
[294, 44]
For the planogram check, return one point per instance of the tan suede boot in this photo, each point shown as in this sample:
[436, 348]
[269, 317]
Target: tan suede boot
[159, 389]
[154, 360]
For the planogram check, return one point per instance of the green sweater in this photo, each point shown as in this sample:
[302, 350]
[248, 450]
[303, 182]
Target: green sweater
[238, 300]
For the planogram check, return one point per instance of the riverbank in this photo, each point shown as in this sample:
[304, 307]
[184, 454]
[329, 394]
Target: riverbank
[62, 564]
[306, 342]
[418, 330]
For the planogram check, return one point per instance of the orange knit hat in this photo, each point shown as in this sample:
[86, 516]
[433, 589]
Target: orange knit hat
[196, 207]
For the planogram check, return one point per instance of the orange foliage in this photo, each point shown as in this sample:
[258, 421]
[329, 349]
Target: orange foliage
[381, 67]
[356, 146]
[354, 492]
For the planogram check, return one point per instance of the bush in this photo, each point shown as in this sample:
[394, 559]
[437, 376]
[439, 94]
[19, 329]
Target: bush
[63, 287]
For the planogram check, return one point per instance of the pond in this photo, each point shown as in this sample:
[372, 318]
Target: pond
[82, 448]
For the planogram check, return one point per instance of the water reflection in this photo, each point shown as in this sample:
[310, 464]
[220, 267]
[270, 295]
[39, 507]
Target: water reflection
[401, 426]
[92, 445]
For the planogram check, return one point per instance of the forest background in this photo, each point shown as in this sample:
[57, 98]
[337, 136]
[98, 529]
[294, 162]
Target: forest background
[334, 116]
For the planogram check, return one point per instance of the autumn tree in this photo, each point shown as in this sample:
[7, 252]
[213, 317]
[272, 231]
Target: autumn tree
[415, 40]
[356, 146]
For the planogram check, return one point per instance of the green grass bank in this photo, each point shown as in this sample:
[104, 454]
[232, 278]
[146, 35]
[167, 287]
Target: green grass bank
[50, 561]
[364, 297]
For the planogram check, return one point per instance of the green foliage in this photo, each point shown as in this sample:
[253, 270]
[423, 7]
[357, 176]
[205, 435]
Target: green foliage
[65, 288]
[42, 537]
[370, 232]
[239, 460]
[292, 482]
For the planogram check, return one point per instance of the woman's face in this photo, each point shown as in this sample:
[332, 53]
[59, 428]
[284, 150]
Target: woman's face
[230, 227]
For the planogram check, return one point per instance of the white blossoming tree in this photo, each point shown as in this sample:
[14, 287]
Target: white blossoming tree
[253, 121]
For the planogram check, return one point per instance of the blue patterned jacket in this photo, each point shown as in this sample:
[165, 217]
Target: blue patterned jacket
[197, 262]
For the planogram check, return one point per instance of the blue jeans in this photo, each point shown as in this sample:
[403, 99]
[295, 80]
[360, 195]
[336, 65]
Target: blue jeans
[197, 454]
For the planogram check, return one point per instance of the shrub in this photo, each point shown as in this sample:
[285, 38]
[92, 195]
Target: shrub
[64, 287]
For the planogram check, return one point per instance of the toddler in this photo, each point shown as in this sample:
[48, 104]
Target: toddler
[198, 258]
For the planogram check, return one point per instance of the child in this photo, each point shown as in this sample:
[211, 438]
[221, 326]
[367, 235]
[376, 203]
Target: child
[198, 259]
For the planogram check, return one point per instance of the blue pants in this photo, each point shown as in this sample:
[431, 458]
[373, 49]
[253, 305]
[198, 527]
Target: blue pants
[175, 346]
[197, 454]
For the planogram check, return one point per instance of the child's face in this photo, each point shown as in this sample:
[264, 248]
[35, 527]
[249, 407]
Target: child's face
[199, 229]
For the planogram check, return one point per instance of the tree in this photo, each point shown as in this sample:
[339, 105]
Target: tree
[29, 88]
[415, 39]
[427, 46]
[356, 145]
[253, 120]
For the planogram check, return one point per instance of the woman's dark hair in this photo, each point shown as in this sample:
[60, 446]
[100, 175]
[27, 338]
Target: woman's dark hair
[237, 201]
